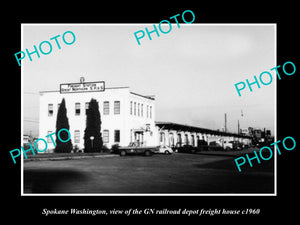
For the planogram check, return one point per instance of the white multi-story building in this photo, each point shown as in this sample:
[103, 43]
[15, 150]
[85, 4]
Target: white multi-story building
[125, 116]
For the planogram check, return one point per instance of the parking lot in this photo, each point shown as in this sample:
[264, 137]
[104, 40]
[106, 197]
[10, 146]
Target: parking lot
[177, 173]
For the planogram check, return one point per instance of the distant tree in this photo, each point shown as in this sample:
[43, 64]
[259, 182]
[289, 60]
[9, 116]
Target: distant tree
[93, 127]
[62, 122]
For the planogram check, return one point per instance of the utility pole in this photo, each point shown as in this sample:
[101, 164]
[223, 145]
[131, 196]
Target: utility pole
[225, 126]
[238, 127]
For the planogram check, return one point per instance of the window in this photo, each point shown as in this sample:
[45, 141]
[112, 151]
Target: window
[130, 107]
[147, 111]
[134, 109]
[193, 140]
[106, 108]
[142, 106]
[77, 136]
[105, 136]
[162, 138]
[179, 140]
[50, 109]
[171, 139]
[117, 135]
[186, 139]
[49, 137]
[87, 104]
[77, 109]
[117, 107]
[138, 111]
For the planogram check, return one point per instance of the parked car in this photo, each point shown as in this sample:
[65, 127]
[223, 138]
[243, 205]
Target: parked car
[135, 149]
[230, 145]
[202, 145]
[236, 145]
[165, 150]
[215, 146]
[240, 146]
[187, 149]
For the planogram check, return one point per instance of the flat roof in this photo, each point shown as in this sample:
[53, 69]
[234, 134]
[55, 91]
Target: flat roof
[82, 92]
[182, 127]
[144, 96]
[151, 97]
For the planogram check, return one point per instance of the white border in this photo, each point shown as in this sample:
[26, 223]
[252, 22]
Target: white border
[22, 117]
[275, 117]
[152, 194]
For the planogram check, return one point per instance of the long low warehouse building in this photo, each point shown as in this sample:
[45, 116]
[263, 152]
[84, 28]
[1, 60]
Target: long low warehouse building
[174, 134]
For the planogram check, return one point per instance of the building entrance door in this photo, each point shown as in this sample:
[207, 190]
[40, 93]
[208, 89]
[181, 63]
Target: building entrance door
[138, 138]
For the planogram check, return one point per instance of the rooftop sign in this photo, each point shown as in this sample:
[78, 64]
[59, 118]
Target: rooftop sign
[82, 87]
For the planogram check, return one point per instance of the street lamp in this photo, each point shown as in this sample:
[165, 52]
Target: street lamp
[92, 138]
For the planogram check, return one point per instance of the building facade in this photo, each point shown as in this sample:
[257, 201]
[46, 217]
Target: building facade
[125, 116]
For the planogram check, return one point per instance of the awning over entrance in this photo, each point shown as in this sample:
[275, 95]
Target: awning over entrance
[138, 130]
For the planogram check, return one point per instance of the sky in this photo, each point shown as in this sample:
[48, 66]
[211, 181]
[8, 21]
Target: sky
[191, 70]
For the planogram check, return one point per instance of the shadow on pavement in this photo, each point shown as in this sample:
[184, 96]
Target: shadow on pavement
[229, 164]
[256, 179]
[50, 181]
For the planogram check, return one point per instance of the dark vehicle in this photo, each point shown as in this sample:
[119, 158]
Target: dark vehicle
[236, 145]
[190, 148]
[202, 145]
[136, 149]
[245, 146]
[239, 146]
[214, 146]
[186, 149]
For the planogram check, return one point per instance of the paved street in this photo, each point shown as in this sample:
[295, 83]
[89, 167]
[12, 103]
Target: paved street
[177, 173]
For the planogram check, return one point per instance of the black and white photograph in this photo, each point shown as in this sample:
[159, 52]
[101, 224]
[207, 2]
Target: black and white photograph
[145, 111]
[160, 117]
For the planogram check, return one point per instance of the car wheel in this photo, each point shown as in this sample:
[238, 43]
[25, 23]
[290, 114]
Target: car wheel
[122, 153]
[147, 153]
[167, 152]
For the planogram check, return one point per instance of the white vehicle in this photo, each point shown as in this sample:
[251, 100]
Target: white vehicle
[230, 145]
[165, 150]
[227, 145]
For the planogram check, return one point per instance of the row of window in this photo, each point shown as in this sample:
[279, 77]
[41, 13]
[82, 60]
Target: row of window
[137, 109]
[105, 136]
[117, 108]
